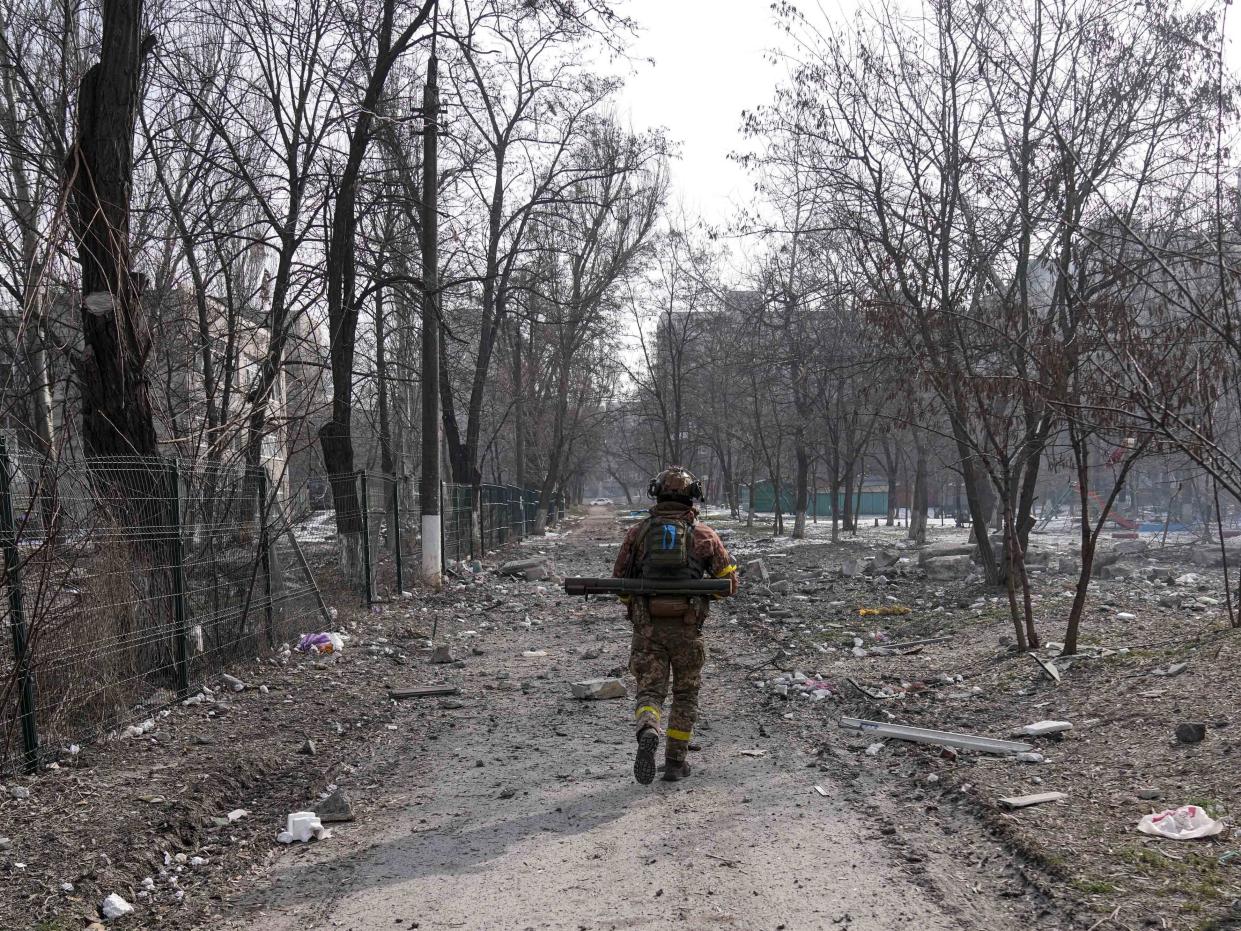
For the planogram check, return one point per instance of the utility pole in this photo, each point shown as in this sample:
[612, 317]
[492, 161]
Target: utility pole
[432, 571]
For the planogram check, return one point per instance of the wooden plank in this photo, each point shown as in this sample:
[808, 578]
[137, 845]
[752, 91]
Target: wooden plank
[1025, 801]
[426, 691]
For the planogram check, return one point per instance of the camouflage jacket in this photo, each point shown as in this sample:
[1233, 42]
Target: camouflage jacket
[707, 547]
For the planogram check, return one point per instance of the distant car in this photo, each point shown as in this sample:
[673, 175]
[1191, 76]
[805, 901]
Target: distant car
[601, 502]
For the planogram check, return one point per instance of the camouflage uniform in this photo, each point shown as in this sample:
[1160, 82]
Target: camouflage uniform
[671, 644]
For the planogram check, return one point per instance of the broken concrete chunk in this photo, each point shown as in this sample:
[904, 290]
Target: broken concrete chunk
[233, 683]
[756, 570]
[1149, 795]
[884, 559]
[949, 568]
[945, 549]
[599, 689]
[114, 907]
[308, 748]
[336, 807]
[441, 655]
[1044, 728]
[850, 568]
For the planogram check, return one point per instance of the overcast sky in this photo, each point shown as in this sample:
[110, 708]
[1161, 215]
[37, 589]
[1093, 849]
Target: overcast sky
[710, 64]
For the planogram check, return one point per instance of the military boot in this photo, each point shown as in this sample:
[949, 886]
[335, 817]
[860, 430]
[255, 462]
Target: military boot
[675, 770]
[644, 762]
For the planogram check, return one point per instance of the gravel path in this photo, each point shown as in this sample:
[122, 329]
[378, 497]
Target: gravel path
[523, 813]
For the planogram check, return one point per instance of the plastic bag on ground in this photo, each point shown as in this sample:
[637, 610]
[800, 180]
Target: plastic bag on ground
[1189, 822]
[327, 642]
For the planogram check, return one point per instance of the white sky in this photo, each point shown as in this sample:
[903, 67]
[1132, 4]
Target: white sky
[711, 63]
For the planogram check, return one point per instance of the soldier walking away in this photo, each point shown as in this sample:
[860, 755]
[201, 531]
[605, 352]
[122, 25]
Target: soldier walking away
[673, 543]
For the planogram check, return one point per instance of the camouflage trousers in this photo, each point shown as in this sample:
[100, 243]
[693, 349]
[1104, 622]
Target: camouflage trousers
[666, 648]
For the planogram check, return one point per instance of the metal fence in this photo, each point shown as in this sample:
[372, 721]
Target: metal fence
[504, 515]
[127, 583]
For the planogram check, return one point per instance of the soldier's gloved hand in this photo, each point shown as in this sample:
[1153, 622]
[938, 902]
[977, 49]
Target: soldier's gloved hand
[732, 583]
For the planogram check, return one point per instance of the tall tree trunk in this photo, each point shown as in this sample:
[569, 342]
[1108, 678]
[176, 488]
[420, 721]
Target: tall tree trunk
[116, 409]
[848, 517]
[918, 514]
[801, 497]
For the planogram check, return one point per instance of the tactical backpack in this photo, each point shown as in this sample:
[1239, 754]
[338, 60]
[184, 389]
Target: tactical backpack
[666, 552]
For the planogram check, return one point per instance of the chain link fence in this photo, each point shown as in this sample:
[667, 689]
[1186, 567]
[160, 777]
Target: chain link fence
[129, 582]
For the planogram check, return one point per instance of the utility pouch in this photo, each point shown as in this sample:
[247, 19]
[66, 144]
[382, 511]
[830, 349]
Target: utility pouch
[667, 607]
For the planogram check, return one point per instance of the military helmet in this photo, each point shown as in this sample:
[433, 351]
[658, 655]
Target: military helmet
[675, 482]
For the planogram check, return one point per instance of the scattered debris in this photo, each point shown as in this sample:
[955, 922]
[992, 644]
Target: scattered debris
[336, 808]
[1149, 795]
[756, 570]
[1049, 666]
[301, 827]
[924, 735]
[1189, 822]
[1046, 728]
[140, 730]
[753, 752]
[442, 654]
[1191, 732]
[1172, 669]
[599, 689]
[1025, 801]
[949, 568]
[822, 791]
[427, 691]
[924, 642]
[884, 611]
[533, 654]
[1030, 756]
[234, 683]
[308, 748]
[115, 907]
[536, 569]
[327, 642]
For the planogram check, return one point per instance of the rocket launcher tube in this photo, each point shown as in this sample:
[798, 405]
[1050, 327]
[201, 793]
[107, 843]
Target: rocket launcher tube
[686, 587]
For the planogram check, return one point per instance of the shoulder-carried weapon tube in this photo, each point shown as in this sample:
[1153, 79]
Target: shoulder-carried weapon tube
[686, 587]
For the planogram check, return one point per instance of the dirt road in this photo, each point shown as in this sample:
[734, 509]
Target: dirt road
[520, 811]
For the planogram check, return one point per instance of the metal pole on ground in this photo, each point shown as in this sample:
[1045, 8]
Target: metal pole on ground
[17, 616]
